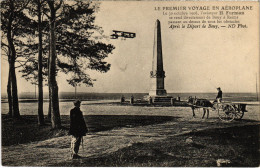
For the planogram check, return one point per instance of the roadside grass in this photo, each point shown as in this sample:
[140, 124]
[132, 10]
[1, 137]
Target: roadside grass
[26, 130]
[240, 145]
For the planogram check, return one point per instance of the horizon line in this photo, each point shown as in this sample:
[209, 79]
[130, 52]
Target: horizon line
[139, 92]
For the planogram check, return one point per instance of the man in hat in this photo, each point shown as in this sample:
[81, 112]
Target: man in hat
[78, 128]
[219, 96]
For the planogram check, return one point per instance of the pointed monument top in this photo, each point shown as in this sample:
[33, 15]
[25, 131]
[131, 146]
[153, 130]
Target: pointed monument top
[157, 67]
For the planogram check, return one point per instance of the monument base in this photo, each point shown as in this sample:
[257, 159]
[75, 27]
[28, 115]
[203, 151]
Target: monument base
[158, 92]
[159, 99]
[160, 96]
[162, 99]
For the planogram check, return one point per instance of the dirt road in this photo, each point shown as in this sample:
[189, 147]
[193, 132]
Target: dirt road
[53, 151]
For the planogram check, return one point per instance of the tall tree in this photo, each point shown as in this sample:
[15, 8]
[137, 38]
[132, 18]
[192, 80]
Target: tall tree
[75, 49]
[40, 86]
[11, 61]
[34, 71]
[11, 18]
[53, 87]
[75, 46]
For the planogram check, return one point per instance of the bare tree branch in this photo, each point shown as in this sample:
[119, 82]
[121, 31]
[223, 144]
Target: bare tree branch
[46, 14]
[58, 6]
[4, 54]
[24, 6]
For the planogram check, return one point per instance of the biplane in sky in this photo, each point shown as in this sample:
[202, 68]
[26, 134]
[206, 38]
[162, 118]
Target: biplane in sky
[122, 34]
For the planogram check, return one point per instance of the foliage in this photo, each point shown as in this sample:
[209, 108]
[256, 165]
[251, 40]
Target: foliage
[15, 26]
[22, 27]
[77, 43]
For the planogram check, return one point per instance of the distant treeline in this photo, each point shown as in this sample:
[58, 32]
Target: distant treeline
[111, 96]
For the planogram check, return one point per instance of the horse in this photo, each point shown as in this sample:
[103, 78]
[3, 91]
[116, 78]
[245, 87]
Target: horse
[200, 103]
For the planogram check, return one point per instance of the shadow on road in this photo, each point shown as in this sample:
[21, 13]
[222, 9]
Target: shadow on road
[97, 123]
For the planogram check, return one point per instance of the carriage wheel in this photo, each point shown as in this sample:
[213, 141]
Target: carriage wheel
[226, 112]
[239, 115]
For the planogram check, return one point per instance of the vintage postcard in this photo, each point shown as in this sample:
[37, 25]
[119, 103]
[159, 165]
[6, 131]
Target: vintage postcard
[130, 83]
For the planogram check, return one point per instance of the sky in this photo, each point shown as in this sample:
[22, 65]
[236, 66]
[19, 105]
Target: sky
[195, 60]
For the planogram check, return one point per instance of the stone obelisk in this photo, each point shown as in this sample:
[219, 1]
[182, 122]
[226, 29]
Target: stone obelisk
[157, 74]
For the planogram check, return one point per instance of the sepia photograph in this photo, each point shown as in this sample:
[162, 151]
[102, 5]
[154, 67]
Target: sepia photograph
[130, 83]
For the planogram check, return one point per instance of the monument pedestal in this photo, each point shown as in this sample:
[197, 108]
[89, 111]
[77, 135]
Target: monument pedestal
[157, 85]
[162, 99]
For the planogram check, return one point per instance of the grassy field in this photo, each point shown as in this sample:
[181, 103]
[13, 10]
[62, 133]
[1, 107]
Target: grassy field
[240, 145]
[123, 135]
[26, 130]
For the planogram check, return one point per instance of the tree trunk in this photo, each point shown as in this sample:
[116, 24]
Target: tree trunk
[49, 110]
[53, 87]
[11, 60]
[15, 103]
[9, 93]
[40, 89]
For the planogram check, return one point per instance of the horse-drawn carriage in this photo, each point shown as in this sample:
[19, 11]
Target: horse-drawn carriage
[227, 111]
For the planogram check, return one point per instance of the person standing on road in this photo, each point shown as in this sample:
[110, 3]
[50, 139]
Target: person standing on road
[78, 128]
